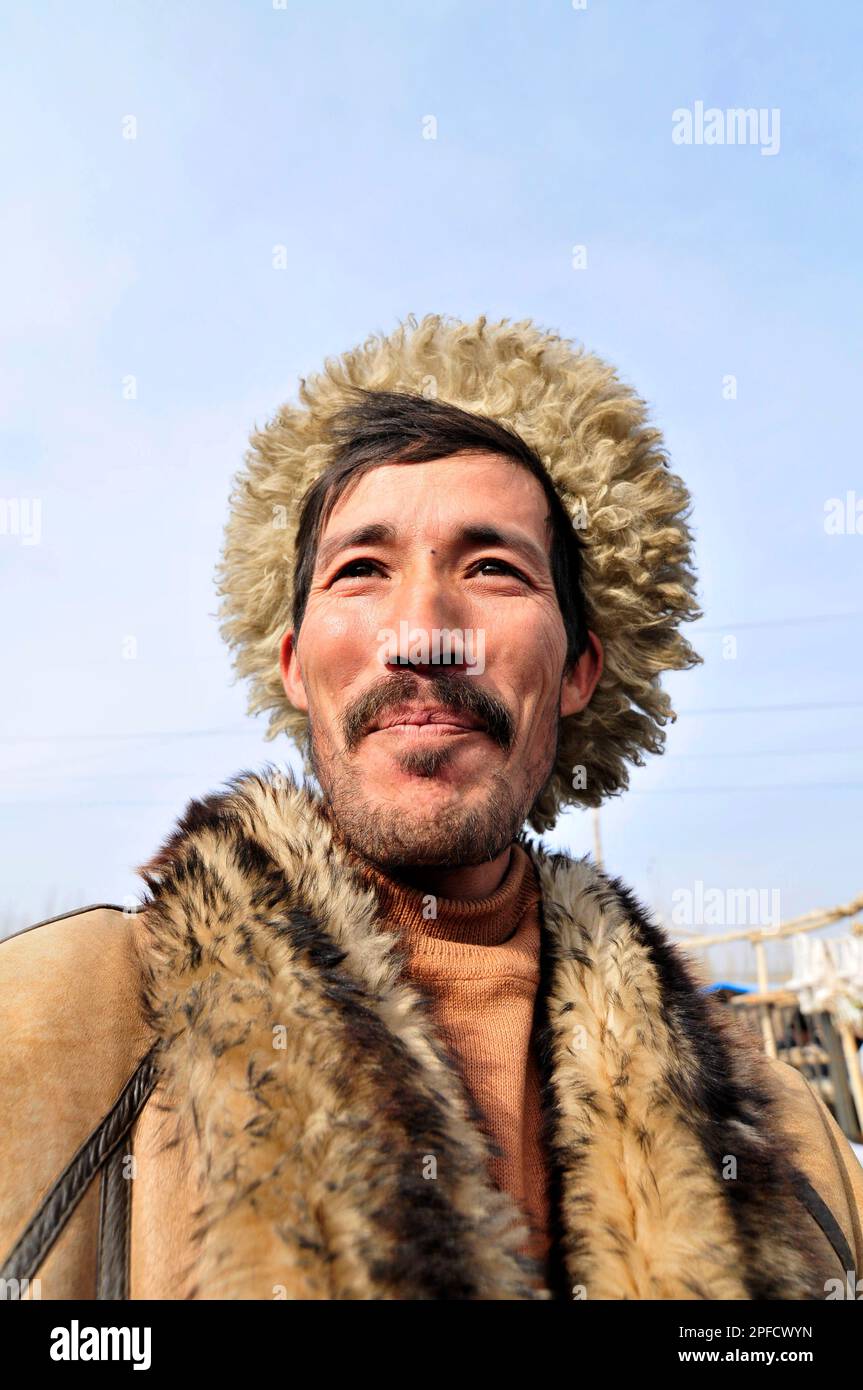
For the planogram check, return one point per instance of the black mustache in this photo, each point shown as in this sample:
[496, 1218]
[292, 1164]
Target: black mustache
[459, 694]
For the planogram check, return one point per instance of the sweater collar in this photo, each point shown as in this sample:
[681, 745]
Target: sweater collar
[489, 921]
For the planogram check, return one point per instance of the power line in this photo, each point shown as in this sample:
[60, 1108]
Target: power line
[251, 732]
[773, 709]
[28, 774]
[773, 753]
[749, 787]
[241, 732]
[119, 738]
[799, 621]
[634, 791]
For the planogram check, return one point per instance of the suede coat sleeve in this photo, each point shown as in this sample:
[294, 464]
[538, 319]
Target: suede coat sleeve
[824, 1154]
[71, 1034]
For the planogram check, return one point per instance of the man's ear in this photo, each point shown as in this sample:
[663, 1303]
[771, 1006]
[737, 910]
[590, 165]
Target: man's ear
[581, 679]
[292, 676]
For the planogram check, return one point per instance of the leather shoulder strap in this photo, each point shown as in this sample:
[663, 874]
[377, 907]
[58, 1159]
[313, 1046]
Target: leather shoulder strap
[823, 1217]
[115, 1221]
[44, 1228]
[62, 916]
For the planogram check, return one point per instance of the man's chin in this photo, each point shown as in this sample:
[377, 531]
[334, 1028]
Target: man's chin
[422, 798]
[433, 825]
[429, 769]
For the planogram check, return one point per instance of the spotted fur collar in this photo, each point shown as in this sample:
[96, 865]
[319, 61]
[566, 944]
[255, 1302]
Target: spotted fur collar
[309, 1069]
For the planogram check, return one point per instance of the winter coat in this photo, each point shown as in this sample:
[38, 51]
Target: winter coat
[233, 1092]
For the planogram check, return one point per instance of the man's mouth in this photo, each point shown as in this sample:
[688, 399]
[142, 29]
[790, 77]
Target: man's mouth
[430, 721]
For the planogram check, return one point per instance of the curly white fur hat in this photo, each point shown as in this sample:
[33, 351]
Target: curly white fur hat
[608, 466]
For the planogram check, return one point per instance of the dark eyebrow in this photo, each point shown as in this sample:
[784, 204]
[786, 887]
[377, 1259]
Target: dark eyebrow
[373, 533]
[382, 533]
[479, 535]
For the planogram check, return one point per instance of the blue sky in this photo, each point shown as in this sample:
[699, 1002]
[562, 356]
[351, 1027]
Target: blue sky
[303, 127]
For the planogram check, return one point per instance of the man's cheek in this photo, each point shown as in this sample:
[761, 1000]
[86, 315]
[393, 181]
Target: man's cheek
[334, 626]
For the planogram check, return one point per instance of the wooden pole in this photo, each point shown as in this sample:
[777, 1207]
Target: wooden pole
[763, 986]
[852, 1062]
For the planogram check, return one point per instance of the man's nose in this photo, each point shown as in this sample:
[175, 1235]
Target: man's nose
[424, 605]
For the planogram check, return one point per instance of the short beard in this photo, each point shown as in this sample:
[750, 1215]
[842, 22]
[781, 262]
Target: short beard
[454, 836]
[391, 838]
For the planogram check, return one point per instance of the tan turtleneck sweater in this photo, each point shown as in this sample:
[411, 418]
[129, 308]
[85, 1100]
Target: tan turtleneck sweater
[478, 961]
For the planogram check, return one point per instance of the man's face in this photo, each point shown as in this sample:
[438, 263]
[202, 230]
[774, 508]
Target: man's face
[437, 761]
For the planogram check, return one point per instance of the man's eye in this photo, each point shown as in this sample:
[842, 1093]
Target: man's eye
[501, 565]
[348, 571]
[359, 569]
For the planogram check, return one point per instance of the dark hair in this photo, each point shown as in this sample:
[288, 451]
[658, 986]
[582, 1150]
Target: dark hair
[396, 427]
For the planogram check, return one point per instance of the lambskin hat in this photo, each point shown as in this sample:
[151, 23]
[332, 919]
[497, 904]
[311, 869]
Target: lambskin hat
[608, 466]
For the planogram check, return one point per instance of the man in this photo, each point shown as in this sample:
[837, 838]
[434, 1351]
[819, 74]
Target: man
[371, 1041]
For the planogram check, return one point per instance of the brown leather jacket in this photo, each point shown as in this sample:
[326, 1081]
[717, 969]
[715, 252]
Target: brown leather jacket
[275, 1143]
